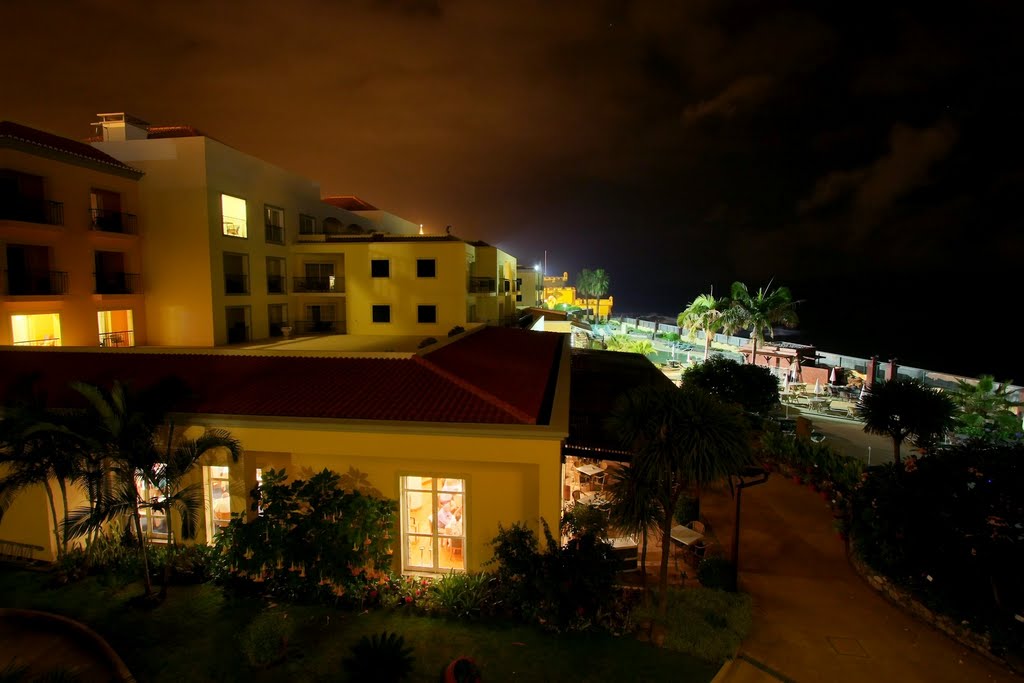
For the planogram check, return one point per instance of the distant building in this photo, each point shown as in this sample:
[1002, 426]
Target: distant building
[72, 261]
[558, 292]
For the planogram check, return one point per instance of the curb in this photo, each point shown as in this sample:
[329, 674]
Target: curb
[724, 671]
[77, 630]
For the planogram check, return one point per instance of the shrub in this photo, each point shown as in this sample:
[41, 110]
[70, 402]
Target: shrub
[751, 386]
[265, 640]
[458, 329]
[427, 342]
[709, 624]
[461, 595]
[717, 573]
[383, 658]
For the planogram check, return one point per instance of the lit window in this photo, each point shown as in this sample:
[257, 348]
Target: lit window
[116, 328]
[380, 268]
[154, 522]
[426, 267]
[41, 329]
[426, 314]
[232, 211]
[433, 524]
[382, 314]
[220, 497]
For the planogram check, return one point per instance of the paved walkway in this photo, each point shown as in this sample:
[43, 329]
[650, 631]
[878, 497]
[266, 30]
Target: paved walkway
[814, 618]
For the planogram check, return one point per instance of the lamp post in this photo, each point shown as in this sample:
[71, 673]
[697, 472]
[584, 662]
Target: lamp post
[760, 476]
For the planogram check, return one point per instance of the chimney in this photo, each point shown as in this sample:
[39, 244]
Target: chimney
[869, 379]
[119, 126]
[890, 372]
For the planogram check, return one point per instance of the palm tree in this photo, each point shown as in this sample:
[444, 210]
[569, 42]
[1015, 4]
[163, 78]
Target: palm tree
[642, 346]
[985, 410]
[680, 438]
[37, 448]
[122, 438]
[760, 312]
[584, 286]
[634, 509]
[599, 284]
[905, 409]
[706, 313]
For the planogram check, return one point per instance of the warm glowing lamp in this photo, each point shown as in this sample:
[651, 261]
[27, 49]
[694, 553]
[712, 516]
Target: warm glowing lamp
[421, 228]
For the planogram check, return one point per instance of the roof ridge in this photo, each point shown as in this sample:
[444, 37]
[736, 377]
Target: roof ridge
[476, 391]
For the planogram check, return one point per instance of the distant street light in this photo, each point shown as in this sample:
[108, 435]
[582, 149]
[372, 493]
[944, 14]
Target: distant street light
[761, 476]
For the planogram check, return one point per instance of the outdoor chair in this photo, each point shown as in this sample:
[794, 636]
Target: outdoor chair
[697, 526]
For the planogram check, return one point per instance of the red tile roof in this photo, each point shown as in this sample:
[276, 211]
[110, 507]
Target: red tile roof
[11, 131]
[349, 203]
[490, 377]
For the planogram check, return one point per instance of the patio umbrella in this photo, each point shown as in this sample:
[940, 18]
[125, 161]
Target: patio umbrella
[863, 390]
[785, 382]
[817, 387]
[832, 376]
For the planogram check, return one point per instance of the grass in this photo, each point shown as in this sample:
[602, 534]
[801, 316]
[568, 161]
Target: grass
[705, 623]
[194, 636]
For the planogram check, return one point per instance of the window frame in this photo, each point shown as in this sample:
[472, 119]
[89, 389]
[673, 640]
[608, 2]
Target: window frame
[439, 488]
[373, 264]
[419, 314]
[242, 233]
[375, 308]
[433, 267]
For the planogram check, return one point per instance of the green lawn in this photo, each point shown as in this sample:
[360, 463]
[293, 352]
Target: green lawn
[193, 636]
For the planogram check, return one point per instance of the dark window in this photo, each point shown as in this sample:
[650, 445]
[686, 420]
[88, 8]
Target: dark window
[426, 267]
[382, 314]
[380, 267]
[426, 314]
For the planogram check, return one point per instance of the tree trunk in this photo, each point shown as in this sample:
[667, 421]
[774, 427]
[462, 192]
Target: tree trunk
[64, 499]
[707, 343]
[753, 350]
[53, 515]
[666, 549]
[643, 566]
[896, 449]
[146, 581]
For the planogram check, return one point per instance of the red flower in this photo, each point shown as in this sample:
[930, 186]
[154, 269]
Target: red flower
[408, 599]
[373, 595]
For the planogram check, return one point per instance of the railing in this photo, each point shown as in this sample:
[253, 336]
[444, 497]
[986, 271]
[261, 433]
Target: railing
[322, 283]
[45, 341]
[480, 285]
[33, 211]
[236, 283]
[276, 284]
[117, 340]
[274, 233]
[40, 282]
[113, 221]
[118, 283]
[21, 553]
[314, 326]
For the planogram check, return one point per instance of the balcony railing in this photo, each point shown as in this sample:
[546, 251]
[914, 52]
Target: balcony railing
[36, 283]
[276, 284]
[32, 211]
[236, 283]
[117, 340]
[482, 285]
[275, 234]
[118, 283]
[238, 333]
[275, 328]
[47, 341]
[315, 326]
[321, 283]
[114, 221]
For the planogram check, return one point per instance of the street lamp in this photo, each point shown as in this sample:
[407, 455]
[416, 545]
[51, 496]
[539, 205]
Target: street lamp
[749, 476]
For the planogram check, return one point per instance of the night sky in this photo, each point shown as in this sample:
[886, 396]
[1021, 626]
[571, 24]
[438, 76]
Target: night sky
[866, 155]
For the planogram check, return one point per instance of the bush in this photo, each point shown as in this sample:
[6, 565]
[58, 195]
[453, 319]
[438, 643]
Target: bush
[383, 658]
[709, 624]
[265, 640]
[458, 329]
[751, 386]
[461, 595]
[717, 573]
[426, 342]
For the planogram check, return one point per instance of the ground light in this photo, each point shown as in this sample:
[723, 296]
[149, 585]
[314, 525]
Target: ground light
[750, 476]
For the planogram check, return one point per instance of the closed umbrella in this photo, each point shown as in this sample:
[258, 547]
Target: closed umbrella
[817, 387]
[785, 382]
[832, 376]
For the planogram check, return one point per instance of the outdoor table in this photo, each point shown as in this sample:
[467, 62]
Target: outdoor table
[593, 499]
[589, 470]
[684, 535]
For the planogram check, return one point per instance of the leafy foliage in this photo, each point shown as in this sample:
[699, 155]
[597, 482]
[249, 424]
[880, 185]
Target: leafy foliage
[985, 411]
[310, 537]
[384, 658]
[904, 409]
[705, 313]
[950, 527]
[760, 312]
[463, 595]
[753, 387]
[717, 573]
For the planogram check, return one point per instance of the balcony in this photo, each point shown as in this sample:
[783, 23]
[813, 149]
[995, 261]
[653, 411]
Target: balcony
[315, 327]
[276, 284]
[114, 221]
[236, 283]
[118, 283]
[482, 285]
[274, 234]
[36, 283]
[32, 211]
[321, 283]
[117, 340]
